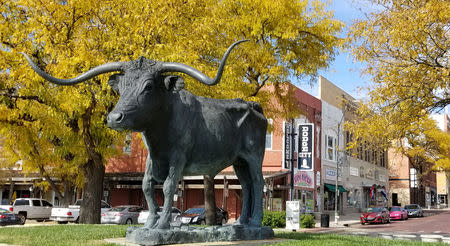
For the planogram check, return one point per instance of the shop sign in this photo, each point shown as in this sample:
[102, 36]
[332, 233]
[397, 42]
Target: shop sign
[369, 174]
[292, 215]
[354, 171]
[304, 179]
[330, 174]
[306, 147]
[287, 145]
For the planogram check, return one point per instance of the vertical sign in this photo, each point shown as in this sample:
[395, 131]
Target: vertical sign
[292, 215]
[287, 145]
[306, 147]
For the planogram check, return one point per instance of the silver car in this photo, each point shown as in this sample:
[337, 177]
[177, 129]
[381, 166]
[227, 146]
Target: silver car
[144, 214]
[125, 214]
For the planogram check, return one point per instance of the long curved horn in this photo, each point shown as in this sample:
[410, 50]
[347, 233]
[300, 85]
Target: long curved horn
[194, 73]
[105, 68]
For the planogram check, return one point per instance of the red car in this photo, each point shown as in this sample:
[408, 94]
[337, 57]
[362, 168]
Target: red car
[375, 215]
[398, 213]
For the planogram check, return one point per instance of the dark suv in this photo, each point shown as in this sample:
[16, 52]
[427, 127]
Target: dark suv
[197, 215]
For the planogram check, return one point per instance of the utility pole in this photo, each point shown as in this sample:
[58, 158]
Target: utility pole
[292, 147]
[338, 164]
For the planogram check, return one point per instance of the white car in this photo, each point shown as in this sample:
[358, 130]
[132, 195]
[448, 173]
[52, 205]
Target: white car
[144, 214]
[72, 213]
[30, 208]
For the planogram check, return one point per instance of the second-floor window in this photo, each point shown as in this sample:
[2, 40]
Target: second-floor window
[269, 136]
[413, 177]
[331, 148]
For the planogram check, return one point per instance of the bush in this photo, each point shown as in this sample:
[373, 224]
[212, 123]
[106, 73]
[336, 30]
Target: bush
[274, 219]
[307, 221]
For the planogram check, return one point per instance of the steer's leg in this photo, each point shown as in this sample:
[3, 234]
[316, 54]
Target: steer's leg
[148, 186]
[257, 185]
[169, 188]
[243, 175]
[256, 180]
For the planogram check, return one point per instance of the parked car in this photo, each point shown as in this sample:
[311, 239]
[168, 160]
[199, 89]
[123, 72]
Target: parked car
[30, 208]
[398, 213]
[414, 210]
[197, 215]
[144, 214]
[9, 218]
[125, 214]
[375, 215]
[72, 213]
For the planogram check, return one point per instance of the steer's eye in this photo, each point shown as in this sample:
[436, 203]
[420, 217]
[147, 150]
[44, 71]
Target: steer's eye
[148, 87]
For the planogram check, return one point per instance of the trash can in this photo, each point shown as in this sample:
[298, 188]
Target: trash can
[324, 220]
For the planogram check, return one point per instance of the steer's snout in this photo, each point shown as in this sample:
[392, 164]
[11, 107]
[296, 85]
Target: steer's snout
[114, 118]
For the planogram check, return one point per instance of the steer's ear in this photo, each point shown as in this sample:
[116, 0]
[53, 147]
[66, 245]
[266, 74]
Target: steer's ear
[172, 82]
[114, 81]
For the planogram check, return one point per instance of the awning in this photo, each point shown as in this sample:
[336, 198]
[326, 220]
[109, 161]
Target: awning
[332, 188]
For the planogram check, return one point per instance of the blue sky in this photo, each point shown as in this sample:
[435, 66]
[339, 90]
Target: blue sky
[343, 72]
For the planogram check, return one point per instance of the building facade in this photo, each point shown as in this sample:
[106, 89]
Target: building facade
[442, 178]
[363, 171]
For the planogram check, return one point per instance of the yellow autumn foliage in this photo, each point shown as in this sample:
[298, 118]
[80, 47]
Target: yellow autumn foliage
[62, 128]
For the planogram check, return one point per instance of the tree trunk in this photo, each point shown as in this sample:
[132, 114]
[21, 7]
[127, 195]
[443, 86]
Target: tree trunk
[94, 172]
[210, 200]
[11, 190]
[69, 193]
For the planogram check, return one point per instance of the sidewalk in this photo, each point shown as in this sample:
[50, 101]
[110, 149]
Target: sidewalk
[343, 220]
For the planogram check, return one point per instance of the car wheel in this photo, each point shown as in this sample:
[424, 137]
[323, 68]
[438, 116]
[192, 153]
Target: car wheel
[202, 222]
[129, 222]
[362, 223]
[77, 220]
[23, 219]
[63, 222]
[40, 220]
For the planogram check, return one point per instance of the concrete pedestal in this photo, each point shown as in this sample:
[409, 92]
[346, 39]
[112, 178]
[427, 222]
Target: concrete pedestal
[144, 236]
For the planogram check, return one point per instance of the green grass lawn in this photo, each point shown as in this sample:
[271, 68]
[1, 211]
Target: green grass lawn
[335, 239]
[78, 235]
[61, 234]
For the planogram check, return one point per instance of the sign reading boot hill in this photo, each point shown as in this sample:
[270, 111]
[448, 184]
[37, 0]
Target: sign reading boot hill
[306, 147]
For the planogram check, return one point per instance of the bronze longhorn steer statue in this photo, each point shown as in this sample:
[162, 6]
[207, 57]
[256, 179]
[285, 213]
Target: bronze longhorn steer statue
[185, 134]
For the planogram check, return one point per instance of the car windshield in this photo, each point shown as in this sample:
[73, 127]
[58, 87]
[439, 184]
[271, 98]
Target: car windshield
[411, 207]
[396, 209]
[373, 210]
[117, 209]
[195, 211]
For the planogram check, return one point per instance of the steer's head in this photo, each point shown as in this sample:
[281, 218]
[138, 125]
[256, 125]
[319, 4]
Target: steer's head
[143, 86]
[144, 94]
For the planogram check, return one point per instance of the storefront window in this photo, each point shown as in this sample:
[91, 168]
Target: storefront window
[353, 197]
